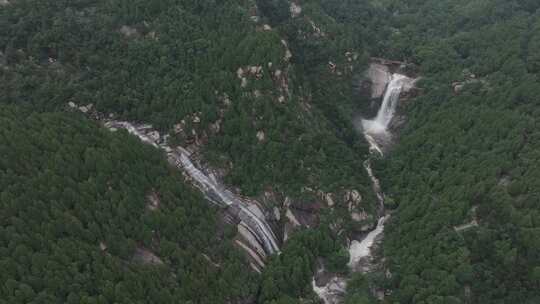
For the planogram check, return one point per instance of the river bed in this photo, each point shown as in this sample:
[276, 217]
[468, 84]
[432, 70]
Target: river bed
[377, 135]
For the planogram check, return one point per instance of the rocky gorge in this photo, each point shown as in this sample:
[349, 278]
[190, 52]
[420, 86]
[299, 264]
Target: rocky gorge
[393, 88]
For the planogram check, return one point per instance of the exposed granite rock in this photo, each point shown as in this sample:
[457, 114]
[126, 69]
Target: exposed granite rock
[129, 31]
[329, 200]
[261, 136]
[153, 201]
[147, 257]
[378, 76]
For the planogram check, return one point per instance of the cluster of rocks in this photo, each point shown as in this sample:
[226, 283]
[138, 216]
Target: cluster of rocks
[243, 73]
[153, 201]
[86, 109]
[190, 127]
[469, 78]
[352, 199]
[317, 32]
[279, 77]
[351, 56]
[347, 67]
[265, 28]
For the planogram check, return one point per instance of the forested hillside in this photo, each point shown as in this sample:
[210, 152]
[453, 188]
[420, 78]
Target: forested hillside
[252, 92]
[466, 171]
[78, 224]
[214, 74]
[263, 93]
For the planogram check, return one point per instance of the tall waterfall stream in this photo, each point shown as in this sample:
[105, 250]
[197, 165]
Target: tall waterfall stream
[376, 131]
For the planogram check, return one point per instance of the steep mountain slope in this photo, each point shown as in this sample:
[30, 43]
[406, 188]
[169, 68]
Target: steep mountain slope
[251, 95]
[214, 75]
[261, 94]
[88, 216]
[465, 174]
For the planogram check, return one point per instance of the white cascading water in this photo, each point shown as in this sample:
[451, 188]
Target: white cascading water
[373, 129]
[376, 129]
[252, 220]
[388, 107]
[251, 217]
[360, 250]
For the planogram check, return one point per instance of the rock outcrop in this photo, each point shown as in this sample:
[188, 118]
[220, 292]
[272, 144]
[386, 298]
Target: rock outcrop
[153, 201]
[129, 31]
[147, 257]
[378, 76]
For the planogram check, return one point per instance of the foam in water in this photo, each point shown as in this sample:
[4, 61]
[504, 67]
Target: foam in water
[377, 128]
[391, 97]
[332, 292]
[359, 250]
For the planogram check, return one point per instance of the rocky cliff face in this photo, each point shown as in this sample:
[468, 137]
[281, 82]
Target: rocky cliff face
[375, 81]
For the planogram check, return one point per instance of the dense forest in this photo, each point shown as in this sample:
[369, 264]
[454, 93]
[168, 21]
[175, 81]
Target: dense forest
[165, 62]
[265, 91]
[469, 154]
[162, 61]
[76, 226]
[79, 225]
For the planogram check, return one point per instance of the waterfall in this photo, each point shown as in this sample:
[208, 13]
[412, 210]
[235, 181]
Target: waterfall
[388, 107]
[376, 133]
[375, 184]
[376, 130]
[251, 219]
[360, 250]
[258, 232]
